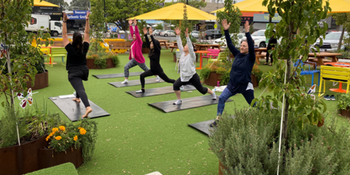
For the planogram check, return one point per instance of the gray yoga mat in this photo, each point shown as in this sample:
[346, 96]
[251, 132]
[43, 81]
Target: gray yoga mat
[74, 110]
[203, 126]
[187, 103]
[135, 82]
[159, 91]
[116, 75]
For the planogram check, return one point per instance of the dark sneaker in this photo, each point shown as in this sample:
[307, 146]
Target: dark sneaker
[327, 97]
[332, 97]
[214, 124]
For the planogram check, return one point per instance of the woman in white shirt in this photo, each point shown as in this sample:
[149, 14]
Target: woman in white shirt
[187, 69]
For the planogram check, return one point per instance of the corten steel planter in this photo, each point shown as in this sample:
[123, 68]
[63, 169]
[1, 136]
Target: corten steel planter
[90, 63]
[21, 159]
[213, 79]
[41, 81]
[254, 80]
[49, 157]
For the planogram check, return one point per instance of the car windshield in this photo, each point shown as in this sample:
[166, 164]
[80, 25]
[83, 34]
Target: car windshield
[259, 33]
[333, 36]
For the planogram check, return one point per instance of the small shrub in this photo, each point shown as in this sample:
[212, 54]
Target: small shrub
[102, 63]
[343, 101]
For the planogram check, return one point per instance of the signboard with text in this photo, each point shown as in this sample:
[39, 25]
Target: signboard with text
[266, 18]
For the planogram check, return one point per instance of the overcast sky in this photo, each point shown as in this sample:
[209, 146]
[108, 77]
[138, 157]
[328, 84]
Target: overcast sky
[68, 1]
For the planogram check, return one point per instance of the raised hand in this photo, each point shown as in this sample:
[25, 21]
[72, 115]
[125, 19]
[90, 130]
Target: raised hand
[135, 22]
[65, 17]
[87, 15]
[246, 26]
[150, 30]
[177, 31]
[186, 32]
[130, 22]
[225, 25]
[145, 30]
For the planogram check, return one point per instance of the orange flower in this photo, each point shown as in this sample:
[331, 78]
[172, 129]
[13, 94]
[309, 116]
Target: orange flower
[62, 128]
[47, 138]
[54, 130]
[51, 134]
[58, 138]
[75, 138]
[79, 127]
[82, 131]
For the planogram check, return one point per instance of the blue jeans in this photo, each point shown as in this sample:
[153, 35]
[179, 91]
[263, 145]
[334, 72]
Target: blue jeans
[226, 94]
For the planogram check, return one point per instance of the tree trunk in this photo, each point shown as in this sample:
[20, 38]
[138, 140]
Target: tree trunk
[341, 38]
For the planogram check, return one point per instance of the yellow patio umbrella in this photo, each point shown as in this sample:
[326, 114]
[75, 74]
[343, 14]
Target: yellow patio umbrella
[44, 4]
[175, 12]
[337, 6]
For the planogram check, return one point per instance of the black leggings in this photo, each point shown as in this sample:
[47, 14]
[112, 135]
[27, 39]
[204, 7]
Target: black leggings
[268, 55]
[76, 80]
[150, 73]
[195, 81]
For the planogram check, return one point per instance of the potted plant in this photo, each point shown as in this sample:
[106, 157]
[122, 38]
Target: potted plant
[343, 105]
[102, 60]
[174, 56]
[69, 142]
[215, 72]
[256, 75]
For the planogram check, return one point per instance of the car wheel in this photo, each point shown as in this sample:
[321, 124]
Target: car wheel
[54, 33]
[165, 35]
[262, 44]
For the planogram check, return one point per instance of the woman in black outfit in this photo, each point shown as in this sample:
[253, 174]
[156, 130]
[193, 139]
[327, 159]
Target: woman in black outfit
[154, 56]
[271, 45]
[76, 61]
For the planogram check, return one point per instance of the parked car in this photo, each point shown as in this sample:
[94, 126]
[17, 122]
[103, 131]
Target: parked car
[330, 42]
[156, 32]
[222, 40]
[168, 33]
[259, 38]
[195, 34]
[212, 34]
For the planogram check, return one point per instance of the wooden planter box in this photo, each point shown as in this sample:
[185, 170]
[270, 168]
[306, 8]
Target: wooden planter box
[174, 58]
[145, 50]
[254, 80]
[21, 159]
[212, 79]
[41, 81]
[49, 157]
[221, 166]
[90, 63]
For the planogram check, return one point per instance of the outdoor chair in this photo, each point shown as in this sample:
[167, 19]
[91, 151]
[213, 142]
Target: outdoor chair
[308, 71]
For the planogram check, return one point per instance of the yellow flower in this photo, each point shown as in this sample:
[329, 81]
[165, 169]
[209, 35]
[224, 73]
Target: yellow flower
[79, 128]
[58, 138]
[62, 128]
[82, 131]
[75, 138]
[47, 138]
[54, 130]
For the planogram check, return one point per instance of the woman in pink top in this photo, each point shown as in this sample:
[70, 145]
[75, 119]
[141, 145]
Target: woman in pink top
[135, 57]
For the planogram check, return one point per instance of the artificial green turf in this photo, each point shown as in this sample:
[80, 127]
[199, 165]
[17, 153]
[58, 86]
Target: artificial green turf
[63, 169]
[139, 139]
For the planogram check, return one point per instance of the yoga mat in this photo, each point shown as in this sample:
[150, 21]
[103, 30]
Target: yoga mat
[116, 75]
[74, 110]
[135, 82]
[159, 91]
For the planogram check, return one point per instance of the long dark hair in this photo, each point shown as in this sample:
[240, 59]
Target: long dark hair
[78, 41]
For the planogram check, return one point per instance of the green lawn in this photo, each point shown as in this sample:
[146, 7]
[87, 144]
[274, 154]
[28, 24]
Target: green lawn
[138, 139]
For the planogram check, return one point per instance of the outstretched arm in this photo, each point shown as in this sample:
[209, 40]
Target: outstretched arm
[87, 28]
[190, 46]
[250, 42]
[131, 28]
[179, 42]
[64, 30]
[146, 38]
[232, 48]
[155, 46]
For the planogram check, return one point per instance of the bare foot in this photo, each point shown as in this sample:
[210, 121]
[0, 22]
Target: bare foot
[76, 100]
[87, 112]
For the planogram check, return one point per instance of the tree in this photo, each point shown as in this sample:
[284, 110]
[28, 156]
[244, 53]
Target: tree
[232, 15]
[298, 24]
[194, 3]
[98, 25]
[120, 10]
[342, 19]
[18, 64]
[159, 27]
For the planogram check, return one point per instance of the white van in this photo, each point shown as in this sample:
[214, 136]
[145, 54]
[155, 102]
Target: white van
[45, 23]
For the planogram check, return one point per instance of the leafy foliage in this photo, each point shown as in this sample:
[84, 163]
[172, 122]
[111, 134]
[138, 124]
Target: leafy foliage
[298, 23]
[97, 20]
[20, 56]
[232, 15]
[344, 101]
[185, 25]
[248, 144]
[159, 27]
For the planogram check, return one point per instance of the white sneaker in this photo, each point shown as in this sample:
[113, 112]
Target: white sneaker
[125, 81]
[182, 88]
[139, 92]
[158, 79]
[178, 102]
[214, 95]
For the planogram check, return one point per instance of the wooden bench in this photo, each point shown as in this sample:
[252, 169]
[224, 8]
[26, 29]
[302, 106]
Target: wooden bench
[337, 74]
[119, 46]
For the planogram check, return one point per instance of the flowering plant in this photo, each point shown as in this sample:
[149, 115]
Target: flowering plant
[80, 134]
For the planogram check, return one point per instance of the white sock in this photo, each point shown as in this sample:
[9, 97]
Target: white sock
[214, 95]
